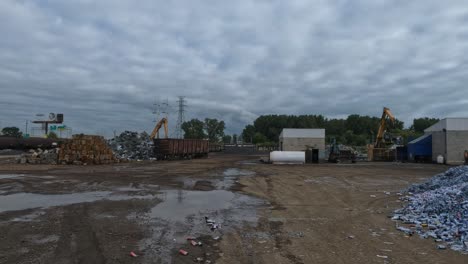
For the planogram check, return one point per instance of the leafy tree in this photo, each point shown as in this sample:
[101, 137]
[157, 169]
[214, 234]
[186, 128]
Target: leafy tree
[248, 133]
[12, 132]
[194, 129]
[419, 124]
[52, 135]
[234, 139]
[259, 138]
[361, 128]
[227, 139]
[214, 129]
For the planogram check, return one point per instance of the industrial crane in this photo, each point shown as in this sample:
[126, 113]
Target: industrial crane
[157, 127]
[380, 142]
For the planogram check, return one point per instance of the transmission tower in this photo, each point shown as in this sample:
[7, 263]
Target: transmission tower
[181, 116]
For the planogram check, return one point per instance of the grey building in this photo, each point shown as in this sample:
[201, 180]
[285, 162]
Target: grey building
[449, 139]
[300, 139]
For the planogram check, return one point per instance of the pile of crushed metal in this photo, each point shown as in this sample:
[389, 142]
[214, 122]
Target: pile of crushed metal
[438, 209]
[132, 146]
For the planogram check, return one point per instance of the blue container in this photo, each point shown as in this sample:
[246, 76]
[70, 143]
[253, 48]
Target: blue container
[420, 149]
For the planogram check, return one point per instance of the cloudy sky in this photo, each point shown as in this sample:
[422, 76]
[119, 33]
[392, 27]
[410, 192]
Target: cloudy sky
[105, 63]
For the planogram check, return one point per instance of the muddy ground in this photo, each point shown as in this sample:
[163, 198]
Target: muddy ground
[321, 213]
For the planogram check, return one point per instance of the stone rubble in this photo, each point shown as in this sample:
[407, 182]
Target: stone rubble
[39, 156]
[132, 146]
[438, 209]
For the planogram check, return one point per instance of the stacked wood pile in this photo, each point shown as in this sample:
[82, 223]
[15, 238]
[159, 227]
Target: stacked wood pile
[86, 149]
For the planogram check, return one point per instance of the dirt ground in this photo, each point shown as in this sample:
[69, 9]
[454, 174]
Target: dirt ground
[317, 213]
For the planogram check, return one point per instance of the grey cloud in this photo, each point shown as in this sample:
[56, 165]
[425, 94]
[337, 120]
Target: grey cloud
[104, 63]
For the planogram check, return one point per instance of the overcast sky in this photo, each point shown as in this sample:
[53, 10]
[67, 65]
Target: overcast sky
[105, 63]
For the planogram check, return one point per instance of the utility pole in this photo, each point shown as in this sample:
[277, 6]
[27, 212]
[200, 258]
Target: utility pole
[180, 116]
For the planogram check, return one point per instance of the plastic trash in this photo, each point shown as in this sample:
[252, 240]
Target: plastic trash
[209, 221]
[438, 208]
[183, 252]
[133, 254]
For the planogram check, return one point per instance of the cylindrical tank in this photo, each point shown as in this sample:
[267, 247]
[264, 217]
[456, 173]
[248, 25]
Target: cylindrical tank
[440, 159]
[287, 157]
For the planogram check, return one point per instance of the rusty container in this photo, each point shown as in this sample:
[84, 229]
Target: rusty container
[28, 143]
[171, 148]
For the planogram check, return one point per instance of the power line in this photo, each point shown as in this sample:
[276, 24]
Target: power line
[161, 109]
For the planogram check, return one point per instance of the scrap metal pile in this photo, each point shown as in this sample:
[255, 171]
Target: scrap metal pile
[132, 146]
[438, 209]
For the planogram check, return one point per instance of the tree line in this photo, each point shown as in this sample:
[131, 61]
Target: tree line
[211, 129]
[355, 130]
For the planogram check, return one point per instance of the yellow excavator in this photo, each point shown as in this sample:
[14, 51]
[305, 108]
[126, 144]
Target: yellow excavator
[380, 140]
[155, 133]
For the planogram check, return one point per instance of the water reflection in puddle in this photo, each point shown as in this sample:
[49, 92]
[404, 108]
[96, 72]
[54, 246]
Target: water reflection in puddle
[22, 201]
[11, 176]
[177, 205]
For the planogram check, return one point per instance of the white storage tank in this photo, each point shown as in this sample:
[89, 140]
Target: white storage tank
[287, 157]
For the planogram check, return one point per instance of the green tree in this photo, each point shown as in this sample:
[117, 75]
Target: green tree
[227, 139]
[214, 129]
[259, 138]
[194, 129]
[52, 135]
[12, 132]
[234, 138]
[248, 133]
[419, 124]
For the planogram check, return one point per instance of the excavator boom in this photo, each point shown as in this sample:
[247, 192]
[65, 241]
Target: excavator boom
[157, 127]
[383, 122]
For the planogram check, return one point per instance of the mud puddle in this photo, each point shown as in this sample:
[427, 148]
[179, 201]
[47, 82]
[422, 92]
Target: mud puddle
[11, 176]
[222, 181]
[23, 201]
[181, 214]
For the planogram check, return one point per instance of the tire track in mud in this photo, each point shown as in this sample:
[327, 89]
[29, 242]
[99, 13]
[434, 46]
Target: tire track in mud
[78, 242]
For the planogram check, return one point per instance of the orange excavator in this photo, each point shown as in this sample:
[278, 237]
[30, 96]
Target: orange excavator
[158, 126]
[380, 140]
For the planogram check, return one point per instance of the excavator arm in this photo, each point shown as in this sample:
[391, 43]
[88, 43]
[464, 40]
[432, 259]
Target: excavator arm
[157, 127]
[383, 122]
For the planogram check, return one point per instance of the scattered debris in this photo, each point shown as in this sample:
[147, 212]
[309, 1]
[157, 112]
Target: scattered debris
[373, 196]
[441, 246]
[133, 254]
[380, 256]
[209, 221]
[39, 156]
[438, 209]
[351, 237]
[183, 252]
